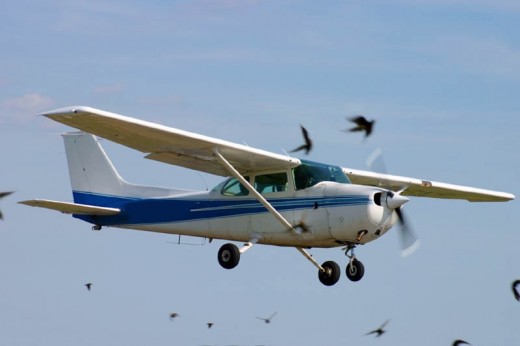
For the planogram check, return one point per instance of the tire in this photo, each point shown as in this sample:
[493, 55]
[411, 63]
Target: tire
[228, 256]
[355, 270]
[331, 274]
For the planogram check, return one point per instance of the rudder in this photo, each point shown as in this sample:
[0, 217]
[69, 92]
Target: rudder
[90, 169]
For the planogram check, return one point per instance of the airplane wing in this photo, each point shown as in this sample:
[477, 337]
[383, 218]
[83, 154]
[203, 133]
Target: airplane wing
[170, 145]
[425, 188]
[71, 208]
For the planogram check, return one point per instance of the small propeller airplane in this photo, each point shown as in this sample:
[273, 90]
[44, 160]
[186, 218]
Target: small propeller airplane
[266, 198]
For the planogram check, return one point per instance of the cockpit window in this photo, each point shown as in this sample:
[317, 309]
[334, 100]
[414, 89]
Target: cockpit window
[268, 183]
[232, 187]
[310, 173]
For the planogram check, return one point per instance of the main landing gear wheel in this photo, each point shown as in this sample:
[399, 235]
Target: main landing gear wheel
[331, 274]
[228, 256]
[355, 270]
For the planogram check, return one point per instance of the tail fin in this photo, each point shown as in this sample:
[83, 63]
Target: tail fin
[90, 168]
[96, 186]
[93, 177]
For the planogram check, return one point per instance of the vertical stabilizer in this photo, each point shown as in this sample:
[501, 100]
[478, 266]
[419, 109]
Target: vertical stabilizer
[92, 173]
[90, 168]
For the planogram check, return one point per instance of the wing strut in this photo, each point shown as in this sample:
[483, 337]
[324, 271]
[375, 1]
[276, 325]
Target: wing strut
[264, 202]
[255, 193]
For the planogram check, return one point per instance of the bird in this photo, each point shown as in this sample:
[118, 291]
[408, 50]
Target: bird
[362, 124]
[308, 142]
[3, 194]
[209, 324]
[515, 292]
[379, 331]
[88, 285]
[174, 315]
[267, 320]
[460, 342]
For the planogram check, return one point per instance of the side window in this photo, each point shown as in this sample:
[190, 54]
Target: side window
[269, 183]
[303, 177]
[234, 188]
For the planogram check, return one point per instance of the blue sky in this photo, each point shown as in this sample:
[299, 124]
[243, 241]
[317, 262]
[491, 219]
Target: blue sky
[440, 77]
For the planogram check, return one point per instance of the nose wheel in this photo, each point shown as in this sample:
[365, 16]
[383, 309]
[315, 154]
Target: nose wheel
[355, 268]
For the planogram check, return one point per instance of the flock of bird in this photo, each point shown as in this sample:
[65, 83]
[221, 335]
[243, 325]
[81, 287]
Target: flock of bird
[361, 125]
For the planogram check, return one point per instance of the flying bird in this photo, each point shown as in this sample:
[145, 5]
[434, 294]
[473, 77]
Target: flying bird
[209, 324]
[174, 315]
[362, 124]
[3, 194]
[88, 285]
[514, 288]
[379, 331]
[308, 142]
[460, 342]
[267, 320]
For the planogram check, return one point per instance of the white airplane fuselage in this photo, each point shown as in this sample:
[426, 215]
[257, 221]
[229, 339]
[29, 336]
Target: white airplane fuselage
[327, 214]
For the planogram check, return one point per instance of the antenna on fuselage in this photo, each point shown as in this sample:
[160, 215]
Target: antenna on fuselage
[204, 181]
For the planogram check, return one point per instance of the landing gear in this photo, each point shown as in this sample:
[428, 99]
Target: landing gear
[228, 256]
[355, 269]
[330, 275]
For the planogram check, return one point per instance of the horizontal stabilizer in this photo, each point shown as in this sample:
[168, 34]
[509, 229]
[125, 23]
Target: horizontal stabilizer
[71, 208]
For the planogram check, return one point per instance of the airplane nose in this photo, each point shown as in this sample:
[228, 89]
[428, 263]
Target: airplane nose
[395, 201]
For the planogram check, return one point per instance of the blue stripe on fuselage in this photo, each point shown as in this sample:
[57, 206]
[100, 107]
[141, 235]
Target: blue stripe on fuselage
[163, 210]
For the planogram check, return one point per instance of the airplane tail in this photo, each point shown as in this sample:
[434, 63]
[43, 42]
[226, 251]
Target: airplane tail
[93, 177]
[90, 169]
[97, 187]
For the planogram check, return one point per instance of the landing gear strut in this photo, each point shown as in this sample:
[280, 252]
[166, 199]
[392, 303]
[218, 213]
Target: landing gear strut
[355, 269]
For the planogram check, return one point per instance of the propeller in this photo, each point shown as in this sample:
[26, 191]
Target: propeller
[395, 201]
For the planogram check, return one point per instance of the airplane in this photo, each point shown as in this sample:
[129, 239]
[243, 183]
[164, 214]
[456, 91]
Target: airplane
[265, 198]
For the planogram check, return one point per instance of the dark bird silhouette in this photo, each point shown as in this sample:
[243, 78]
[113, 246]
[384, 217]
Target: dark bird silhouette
[209, 324]
[362, 124]
[460, 342]
[88, 286]
[379, 331]
[3, 194]
[514, 288]
[267, 320]
[174, 315]
[308, 142]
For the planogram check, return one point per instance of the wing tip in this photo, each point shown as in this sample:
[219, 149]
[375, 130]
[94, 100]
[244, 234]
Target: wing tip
[70, 110]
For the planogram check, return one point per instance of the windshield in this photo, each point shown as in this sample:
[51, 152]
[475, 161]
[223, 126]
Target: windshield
[310, 173]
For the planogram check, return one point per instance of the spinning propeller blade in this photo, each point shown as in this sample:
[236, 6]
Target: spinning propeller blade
[409, 241]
